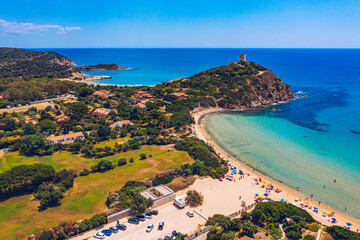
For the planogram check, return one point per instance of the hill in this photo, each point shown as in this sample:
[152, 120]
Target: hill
[235, 86]
[16, 62]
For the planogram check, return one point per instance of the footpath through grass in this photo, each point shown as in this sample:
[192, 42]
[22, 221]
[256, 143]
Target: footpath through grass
[19, 216]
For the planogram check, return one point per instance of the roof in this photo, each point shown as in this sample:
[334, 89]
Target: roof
[103, 111]
[247, 238]
[66, 136]
[125, 122]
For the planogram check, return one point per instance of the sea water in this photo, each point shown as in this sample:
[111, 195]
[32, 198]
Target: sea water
[311, 142]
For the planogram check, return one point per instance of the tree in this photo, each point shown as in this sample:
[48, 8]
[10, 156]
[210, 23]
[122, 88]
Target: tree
[139, 204]
[248, 229]
[103, 131]
[142, 156]
[29, 129]
[78, 109]
[309, 237]
[32, 144]
[49, 195]
[47, 125]
[103, 166]
[122, 161]
[194, 198]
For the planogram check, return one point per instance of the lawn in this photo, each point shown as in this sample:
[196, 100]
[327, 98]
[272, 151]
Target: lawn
[19, 216]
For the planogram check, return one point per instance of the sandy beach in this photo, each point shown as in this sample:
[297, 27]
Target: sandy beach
[287, 193]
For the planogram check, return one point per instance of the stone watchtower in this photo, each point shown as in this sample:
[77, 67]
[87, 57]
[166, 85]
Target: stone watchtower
[242, 57]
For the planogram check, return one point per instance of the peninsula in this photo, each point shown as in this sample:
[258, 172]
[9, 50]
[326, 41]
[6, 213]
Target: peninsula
[101, 67]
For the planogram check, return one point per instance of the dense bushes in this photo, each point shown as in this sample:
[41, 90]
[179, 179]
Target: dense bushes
[139, 204]
[194, 198]
[277, 211]
[49, 195]
[103, 166]
[24, 178]
[122, 162]
[122, 198]
[206, 163]
[95, 221]
[340, 233]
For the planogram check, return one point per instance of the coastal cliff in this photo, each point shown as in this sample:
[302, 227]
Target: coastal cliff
[239, 85]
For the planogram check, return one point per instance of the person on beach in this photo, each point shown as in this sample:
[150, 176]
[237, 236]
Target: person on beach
[312, 195]
[324, 186]
[319, 202]
[345, 208]
[334, 180]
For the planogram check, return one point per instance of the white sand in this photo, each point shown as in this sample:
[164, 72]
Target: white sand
[287, 192]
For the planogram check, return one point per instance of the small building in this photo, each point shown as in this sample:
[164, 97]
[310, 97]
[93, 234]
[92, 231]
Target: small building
[180, 95]
[102, 93]
[143, 95]
[61, 118]
[67, 138]
[104, 112]
[160, 194]
[121, 124]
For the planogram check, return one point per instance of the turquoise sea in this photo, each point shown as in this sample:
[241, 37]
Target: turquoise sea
[307, 145]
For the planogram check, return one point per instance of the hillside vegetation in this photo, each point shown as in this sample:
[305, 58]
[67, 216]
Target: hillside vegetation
[237, 85]
[16, 62]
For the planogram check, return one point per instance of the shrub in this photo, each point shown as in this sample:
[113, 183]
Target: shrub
[139, 204]
[131, 160]
[163, 180]
[194, 198]
[309, 237]
[142, 156]
[340, 233]
[122, 161]
[102, 166]
[314, 227]
[85, 172]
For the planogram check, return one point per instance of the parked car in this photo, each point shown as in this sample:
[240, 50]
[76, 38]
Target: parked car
[161, 225]
[99, 235]
[121, 227]
[141, 217]
[114, 229]
[133, 221]
[167, 236]
[150, 227]
[190, 213]
[148, 215]
[107, 232]
[154, 212]
[175, 233]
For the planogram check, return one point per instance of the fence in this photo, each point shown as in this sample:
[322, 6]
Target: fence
[206, 229]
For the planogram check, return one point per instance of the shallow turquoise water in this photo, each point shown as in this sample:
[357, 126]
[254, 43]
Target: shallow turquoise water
[297, 156]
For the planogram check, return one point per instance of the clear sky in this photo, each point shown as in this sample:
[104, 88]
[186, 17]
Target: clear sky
[184, 23]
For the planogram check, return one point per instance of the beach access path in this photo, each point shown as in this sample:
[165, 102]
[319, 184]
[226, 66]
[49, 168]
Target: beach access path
[287, 193]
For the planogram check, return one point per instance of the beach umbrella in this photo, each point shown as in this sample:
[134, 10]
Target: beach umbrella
[333, 219]
[231, 176]
[315, 208]
[256, 194]
[227, 175]
[349, 224]
[281, 200]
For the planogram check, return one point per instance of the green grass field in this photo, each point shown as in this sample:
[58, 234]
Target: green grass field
[19, 216]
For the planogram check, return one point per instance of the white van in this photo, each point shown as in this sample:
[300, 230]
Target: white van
[179, 202]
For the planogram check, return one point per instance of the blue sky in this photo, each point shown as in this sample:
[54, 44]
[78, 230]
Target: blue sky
[208, 24]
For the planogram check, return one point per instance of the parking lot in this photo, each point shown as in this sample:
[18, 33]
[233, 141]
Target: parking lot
[174, 219]
[219, 197]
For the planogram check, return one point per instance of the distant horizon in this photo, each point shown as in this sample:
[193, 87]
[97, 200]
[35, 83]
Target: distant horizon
[29, 48]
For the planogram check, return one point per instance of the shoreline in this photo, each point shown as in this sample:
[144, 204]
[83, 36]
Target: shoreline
[90, 81]
[291, 194]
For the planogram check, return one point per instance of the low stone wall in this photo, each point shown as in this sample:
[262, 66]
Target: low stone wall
[118, 215]
[166, 199]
